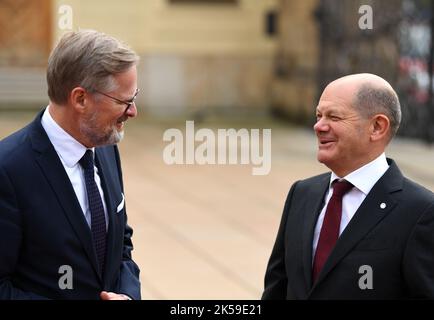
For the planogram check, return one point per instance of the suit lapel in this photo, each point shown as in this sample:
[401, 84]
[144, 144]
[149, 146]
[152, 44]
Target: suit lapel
[312, 210]
[58, 179]
[377, 205]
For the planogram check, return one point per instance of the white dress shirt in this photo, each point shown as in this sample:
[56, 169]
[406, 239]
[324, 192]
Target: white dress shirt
[70, 151]
[363, 179]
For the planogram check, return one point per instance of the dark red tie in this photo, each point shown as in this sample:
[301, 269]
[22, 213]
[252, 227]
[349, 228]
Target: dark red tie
[330, 227]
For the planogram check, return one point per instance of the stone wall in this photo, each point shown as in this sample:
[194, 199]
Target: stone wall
[294, 88]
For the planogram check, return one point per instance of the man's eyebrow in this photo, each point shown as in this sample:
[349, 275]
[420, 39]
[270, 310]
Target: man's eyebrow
[132, 98]
[329, 110]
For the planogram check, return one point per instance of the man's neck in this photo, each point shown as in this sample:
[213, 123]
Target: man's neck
[67, 121]
[342, 172]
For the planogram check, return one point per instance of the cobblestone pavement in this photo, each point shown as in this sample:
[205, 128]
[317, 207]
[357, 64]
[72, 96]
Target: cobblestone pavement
[206, 231]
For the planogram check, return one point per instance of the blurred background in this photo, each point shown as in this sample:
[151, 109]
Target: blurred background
[206, 231]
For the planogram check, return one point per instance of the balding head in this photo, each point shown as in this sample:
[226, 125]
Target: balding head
[361, 78]
[371, 95]
[357, 116]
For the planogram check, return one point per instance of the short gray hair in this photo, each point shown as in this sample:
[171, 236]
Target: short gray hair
[371, 100]
[89, 59]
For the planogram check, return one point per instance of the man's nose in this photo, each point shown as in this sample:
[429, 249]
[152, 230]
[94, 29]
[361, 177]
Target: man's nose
[132, 111]
[321, 125]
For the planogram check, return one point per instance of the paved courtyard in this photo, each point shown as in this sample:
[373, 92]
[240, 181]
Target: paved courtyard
[206, 231]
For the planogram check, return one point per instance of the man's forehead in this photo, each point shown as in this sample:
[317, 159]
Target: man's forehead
[333, 103]
[329, 108]
[126, 92]
[127, 83]
[340, 90]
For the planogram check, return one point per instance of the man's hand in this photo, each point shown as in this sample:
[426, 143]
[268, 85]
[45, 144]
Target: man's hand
[113, 296]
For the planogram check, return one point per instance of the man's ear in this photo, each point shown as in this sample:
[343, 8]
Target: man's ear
[77, 98]
[380, 127]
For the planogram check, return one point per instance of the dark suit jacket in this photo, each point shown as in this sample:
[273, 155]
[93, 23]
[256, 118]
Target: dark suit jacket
[397, 242]
[42, 226]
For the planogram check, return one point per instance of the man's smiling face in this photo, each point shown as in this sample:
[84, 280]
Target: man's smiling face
[343, 134]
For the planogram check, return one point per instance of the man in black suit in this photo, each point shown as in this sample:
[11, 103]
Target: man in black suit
[63, 224]
[363, 231]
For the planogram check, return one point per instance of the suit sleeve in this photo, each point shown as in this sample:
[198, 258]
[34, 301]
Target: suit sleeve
[418, 261]
[10, 241]
[275, 283]
[129, 281]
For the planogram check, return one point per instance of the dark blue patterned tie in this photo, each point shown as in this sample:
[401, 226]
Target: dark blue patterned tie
[98, 225]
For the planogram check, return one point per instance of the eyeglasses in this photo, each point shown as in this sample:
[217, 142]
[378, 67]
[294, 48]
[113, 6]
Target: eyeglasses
[129, 103]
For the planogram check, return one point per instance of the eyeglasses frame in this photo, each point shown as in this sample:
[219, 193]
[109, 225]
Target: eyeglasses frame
[129, 103]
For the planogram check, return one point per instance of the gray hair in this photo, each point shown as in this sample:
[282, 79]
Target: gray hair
[371, 100]
[88, 59]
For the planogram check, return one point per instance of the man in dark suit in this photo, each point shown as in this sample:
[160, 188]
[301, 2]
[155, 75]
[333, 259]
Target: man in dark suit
[63, 224]
[363, 231]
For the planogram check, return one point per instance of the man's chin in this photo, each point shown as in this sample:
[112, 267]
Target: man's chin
[117, 136]
[120, 135]
[114, 138]
[323, 157]
[120, 126]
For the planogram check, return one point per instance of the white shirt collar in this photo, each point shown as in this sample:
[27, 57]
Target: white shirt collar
[367, 176]
[68, 149]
